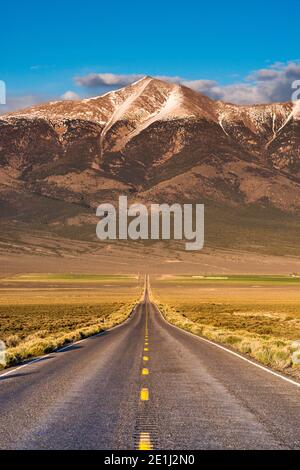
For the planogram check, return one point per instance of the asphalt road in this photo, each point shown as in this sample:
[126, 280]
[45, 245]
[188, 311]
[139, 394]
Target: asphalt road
[146, 384]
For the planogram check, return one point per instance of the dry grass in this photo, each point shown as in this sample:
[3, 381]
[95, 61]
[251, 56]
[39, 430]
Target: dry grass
[31, 331]
[262, 323]
[37, 320]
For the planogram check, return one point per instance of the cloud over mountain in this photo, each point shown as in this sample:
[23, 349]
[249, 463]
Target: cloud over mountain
[265, 85]
[70, 95]
[272, 84]
[94, 80]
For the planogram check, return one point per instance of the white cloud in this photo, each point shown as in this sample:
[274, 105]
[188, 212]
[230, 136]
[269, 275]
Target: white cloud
[70, 95]
[266, 85]
[94, 80]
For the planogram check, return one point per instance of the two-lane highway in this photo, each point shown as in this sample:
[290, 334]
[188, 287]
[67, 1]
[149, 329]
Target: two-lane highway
[144, 385]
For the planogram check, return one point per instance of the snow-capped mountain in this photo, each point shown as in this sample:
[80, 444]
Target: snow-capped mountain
[156, 141]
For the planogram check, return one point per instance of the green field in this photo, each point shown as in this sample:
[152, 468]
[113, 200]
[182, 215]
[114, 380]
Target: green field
[68, 277]
[221, 279]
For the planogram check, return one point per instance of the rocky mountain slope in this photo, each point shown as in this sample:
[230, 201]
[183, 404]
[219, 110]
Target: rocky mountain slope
[154, 141]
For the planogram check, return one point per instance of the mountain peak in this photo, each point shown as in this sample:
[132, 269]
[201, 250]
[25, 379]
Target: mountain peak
[159, 136]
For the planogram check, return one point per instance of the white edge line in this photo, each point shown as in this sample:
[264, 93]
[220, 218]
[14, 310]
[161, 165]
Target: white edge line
[276, 374]
[64, 348]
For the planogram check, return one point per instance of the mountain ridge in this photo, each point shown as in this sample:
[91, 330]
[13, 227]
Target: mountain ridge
[154, 139]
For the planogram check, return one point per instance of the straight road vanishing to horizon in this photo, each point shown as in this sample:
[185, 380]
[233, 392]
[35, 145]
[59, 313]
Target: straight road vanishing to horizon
[147, 385]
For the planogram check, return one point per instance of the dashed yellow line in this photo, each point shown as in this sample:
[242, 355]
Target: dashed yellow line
[145, 438]
[145, 441]
[144, 394]
[147, 318]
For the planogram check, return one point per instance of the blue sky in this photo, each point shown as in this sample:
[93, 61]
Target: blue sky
[43, 48]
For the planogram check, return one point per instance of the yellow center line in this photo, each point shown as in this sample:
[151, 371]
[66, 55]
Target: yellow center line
[144, 394]
[147, 320]
[145, 441]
